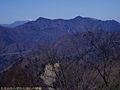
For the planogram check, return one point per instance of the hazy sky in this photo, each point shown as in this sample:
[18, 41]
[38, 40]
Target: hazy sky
[12, 10]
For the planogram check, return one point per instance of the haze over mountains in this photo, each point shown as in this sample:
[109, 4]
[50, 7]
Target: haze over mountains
[45, 31]
[14, 24]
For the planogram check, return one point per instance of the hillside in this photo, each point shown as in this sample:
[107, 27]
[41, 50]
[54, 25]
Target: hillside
[90, 59]
[45, 31]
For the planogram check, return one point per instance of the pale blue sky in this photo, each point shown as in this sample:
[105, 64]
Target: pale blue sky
[12, 10]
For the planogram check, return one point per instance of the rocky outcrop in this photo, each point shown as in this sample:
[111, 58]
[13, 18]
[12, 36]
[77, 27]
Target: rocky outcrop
[49, 75]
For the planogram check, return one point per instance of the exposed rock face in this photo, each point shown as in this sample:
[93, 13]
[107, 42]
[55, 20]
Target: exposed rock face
[49, 75]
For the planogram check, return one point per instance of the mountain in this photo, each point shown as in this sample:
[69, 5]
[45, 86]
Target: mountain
[45, 31]
[37, 71]
[25, 37]
[14, 24]
[74, 45]
[28, 51]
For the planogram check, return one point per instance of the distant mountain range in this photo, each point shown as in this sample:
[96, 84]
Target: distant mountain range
[14, 24]
[45, 31]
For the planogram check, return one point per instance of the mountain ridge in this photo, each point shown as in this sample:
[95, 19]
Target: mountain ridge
[14, 24]
[44, 31]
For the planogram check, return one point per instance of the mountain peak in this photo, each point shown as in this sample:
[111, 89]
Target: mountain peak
[42, 18]
[88, 18]
[114, 21]
[78, 17]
